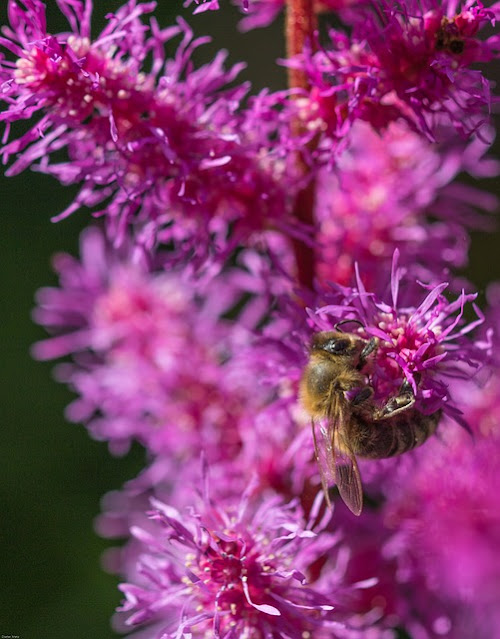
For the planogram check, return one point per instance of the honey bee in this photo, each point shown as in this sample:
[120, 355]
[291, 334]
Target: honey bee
[346, 421]
[448, 38]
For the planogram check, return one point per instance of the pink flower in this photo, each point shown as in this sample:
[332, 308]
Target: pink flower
[446, 527]
[164, 147]
[148, 359]
[186, 328]
[424, 342]
[382, 193]
[406, 60]
[235, 571]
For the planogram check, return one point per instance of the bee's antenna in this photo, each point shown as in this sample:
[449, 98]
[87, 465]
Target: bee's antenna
[347, 321]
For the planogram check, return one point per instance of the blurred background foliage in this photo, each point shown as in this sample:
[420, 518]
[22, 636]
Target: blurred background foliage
[52, 475]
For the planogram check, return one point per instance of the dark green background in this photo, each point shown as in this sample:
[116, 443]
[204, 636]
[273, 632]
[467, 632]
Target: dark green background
[52, 475]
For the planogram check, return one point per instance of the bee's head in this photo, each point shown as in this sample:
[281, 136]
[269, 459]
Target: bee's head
[336, 343]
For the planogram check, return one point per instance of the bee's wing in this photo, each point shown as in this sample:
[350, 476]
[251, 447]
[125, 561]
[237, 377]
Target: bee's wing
[347, 475]
[323, 448]
[336, 461]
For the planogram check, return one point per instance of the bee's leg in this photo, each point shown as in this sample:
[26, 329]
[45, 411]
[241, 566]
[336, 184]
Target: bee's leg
[368, 349]
[362, 395]
[397, 404]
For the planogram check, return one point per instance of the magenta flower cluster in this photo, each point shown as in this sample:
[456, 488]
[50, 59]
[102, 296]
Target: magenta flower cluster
[227, 228]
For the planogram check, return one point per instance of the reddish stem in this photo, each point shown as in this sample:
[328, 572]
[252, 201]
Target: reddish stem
[300, 26]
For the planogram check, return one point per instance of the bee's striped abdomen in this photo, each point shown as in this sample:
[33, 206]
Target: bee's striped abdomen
[377, 439]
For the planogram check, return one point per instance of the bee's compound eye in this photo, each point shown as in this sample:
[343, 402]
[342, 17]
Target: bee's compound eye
[457, 46]
[336, 346]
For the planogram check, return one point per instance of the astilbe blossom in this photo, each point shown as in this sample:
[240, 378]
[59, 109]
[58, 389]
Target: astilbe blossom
[409, 60]
[443, 515]
[236, 228]
[150, 147]
[267, 438]
[422, 337]
[240, 571]
[390, 599]
[274, 450]
[271, 464]
[382, 193]
[430, 530]
[398, 537]
[143, 348]
[128, 508]
[267, 442]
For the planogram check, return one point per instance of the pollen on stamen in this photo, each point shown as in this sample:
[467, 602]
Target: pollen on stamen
[79, 45]
[425, 341]
[240, 595]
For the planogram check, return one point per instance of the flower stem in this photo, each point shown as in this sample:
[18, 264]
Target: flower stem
[300, 26]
